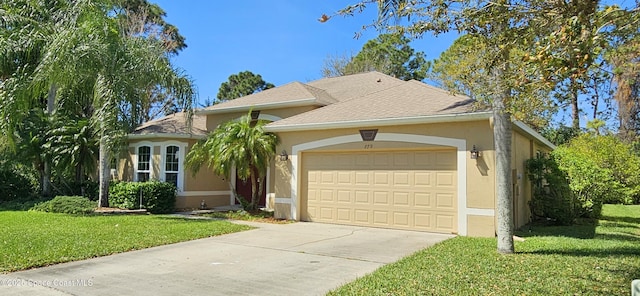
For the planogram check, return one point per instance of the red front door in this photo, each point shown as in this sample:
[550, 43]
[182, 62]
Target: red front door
[243, 188]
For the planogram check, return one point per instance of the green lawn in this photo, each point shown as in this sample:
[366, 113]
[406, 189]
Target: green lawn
[588, 259]
[32, 239]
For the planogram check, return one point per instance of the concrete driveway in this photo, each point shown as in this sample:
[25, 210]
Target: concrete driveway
[274, 259]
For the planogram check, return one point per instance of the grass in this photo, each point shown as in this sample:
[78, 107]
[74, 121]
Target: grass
[33, 239]
[258, 216]
[589, 259]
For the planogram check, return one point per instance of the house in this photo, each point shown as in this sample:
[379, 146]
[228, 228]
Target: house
[365, 149]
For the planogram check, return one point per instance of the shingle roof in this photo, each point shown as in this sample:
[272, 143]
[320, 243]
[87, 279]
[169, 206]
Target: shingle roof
[407, 99]
[174, 124]
[320, 92]
[291, 92]
[352, 86]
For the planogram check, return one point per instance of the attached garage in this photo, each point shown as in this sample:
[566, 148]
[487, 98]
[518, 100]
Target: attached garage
[405, 189]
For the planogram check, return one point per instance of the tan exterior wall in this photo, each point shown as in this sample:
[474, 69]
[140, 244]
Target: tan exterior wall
[520, 153]
[480, 173]
[204, 185]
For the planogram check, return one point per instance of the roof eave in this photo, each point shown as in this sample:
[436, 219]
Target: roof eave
[460, 117]
[292, 103]
[164, 135]
[531, 132]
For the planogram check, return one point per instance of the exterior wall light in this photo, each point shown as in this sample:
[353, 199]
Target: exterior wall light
[475, 153]
[283, 155]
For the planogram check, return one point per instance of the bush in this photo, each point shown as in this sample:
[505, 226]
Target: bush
[157, 197]
[87, 188]
[552, 197]
[601, 169]
[14, 186]
[67, 205]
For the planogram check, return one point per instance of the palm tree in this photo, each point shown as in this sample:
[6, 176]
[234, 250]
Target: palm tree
[88, 44]
[242, 144]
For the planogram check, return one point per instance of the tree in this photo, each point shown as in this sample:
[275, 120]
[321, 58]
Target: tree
[242, 144]
[463, 68]
[502, 26]
[388, 53]
[88, 46]
[601, 169]
[625, 60]
[242, 84]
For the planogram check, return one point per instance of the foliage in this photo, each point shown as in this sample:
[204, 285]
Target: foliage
[465, 67]
[156, 197]
[589, 259]
[257, 216]
[241, 143]
[559, 38]
[86, 54]
[388, 53]
[66, 205]
[14, 186]
[552, 197]
[601, 169]
[242, 84]
[86, 188]
[74, 145]
[57, 238]
[560, 135]
[625, 60]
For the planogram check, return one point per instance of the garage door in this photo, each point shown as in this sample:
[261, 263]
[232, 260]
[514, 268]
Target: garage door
[414, 190]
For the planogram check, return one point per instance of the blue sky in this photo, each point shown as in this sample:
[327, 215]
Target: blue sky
[282, 40]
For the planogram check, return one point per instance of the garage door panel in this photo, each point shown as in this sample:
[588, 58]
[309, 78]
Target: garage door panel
[401, 199]
[402, 159]
[362, 197]
[401, 219]
[422, 221]
[381, 178]
[392, 189]
[381, 218]
[422, 200]
[422, 179]
[344, 196]
[445, 201]
[445, 222]
[361, 216]
[401, 179]
[345, 178]
[445, 179]
[327, 178]
[343, 215]
[381, 198]
[327, 213]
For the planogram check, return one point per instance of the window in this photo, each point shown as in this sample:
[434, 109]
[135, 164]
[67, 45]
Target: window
[171, 164]
[144, 164]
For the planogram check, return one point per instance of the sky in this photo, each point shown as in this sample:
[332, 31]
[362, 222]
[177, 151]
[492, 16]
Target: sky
[282, 40]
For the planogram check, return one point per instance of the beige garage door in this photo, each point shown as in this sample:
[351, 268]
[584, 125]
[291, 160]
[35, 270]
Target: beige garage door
[413, 190]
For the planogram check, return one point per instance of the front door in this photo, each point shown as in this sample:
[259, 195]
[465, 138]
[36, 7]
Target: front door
[243, 188]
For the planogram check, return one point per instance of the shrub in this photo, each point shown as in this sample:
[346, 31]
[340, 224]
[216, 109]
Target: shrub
[67, 205]
[157, 197]
[552, 197]
[14, 186]
[87, 188]
[601, 169]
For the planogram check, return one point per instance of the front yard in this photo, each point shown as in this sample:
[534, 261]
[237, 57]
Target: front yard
[32, 239]
[590, 259]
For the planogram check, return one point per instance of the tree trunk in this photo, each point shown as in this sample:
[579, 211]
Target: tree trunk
[254, 192]
[103, 199]
[46, 177]
[504, 207]
[575, 112]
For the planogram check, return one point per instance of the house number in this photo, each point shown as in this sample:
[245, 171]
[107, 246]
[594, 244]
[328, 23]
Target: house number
[368, 146]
